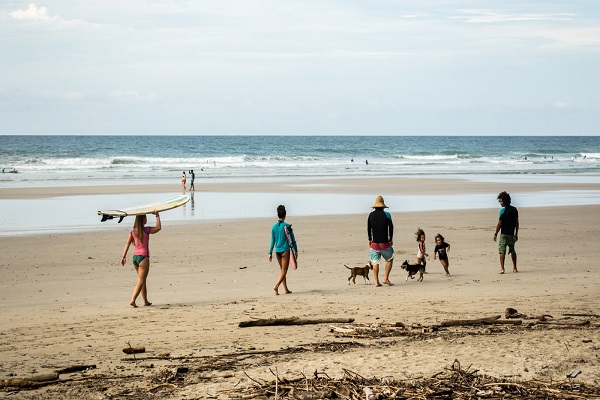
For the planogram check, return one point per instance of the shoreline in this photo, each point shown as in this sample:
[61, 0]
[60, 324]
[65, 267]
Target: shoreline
[362, 185]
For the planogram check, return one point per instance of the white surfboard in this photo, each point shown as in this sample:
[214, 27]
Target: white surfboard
[162, 205]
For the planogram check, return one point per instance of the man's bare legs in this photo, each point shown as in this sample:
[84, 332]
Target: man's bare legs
[376, 273]
[513, 256]
[388, 269]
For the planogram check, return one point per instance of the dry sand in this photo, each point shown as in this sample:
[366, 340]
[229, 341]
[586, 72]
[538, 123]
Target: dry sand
[64, 298]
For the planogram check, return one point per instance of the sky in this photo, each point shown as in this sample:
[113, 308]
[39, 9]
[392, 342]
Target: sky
[303, 67]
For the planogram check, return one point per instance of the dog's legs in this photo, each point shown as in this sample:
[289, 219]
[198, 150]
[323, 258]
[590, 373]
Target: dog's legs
[407, 278]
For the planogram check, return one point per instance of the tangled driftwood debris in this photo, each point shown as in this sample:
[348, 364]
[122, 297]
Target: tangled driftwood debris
[453, 382]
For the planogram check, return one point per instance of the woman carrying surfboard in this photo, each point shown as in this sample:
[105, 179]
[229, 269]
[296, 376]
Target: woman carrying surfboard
[286, 250]
[140, 237]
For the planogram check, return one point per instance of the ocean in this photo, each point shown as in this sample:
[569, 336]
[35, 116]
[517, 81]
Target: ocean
[125, 160]
[90, 160]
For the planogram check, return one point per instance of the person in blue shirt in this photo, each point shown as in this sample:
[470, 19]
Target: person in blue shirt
[508, 226]
[282, 248]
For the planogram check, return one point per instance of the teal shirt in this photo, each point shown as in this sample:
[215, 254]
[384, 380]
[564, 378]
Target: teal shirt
[278, 239]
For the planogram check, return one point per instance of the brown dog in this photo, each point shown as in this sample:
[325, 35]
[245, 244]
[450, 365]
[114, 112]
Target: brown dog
[413, 269]
[359, 271]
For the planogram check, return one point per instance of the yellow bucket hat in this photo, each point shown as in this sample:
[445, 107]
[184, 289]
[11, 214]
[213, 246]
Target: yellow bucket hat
[379, 203]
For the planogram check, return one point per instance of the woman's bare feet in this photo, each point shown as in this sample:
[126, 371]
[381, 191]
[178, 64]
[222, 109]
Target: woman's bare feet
[132, 304]
[288, 292]
[276, 291]
[388, 283]
[147, 303]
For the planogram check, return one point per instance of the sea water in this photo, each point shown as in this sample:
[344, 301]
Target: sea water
[93, 160]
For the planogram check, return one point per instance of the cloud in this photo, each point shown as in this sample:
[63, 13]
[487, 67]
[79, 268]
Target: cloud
[132, 97]
[32, 13]
[65, 96]
[485, 16]
[559, 104]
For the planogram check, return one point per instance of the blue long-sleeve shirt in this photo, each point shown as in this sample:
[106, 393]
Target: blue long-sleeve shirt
[278, 239]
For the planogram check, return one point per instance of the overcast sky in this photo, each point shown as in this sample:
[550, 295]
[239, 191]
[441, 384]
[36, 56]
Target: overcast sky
[329, 67]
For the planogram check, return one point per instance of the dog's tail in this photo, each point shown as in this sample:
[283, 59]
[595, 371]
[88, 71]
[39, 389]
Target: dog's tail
[347, 266]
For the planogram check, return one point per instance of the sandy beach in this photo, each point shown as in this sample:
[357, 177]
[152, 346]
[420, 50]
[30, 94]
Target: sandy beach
[64, 297]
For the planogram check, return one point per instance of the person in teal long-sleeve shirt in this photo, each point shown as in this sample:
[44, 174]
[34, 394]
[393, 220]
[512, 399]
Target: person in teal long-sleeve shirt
[282, 248]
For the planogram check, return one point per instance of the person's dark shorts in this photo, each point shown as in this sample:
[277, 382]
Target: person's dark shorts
[444, 257]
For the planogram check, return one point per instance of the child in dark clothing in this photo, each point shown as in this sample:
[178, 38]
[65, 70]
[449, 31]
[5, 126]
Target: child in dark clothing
[441, 249]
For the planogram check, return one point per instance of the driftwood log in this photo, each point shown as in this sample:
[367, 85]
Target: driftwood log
[134, 350]
[36, 381]
[495, 320]
[30, 381]
[565, 323]
[582, 315]
[293, 321]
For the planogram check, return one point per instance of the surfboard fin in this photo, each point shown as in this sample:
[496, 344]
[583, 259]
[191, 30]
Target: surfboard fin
[121, 218]
[106, 217]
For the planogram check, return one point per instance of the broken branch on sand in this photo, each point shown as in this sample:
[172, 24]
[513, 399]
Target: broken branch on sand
[566, 323]
[293, 321]
[495, 320]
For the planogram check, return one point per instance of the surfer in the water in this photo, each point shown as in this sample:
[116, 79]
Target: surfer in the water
[282, 248]
[141, 254]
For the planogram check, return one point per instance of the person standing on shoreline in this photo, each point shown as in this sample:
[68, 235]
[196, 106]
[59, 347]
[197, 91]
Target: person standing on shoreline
[282, 248]
[380, 230]
[193, 176]
[183, 180]
[508, 226]
[140, 236]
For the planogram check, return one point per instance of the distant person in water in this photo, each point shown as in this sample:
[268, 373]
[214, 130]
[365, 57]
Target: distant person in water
[282, 249]
[140, 237]
[508, 226]
[193, 176]
[366, 162]
[183, 180]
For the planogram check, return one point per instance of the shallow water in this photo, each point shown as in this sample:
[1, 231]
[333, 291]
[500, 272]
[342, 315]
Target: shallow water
[78, 213]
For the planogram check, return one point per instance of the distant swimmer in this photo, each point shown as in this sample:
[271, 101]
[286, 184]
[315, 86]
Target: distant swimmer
[367, 162]
[352, 160]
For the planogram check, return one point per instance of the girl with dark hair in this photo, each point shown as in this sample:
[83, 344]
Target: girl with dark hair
[282, 248]
[421, 253]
